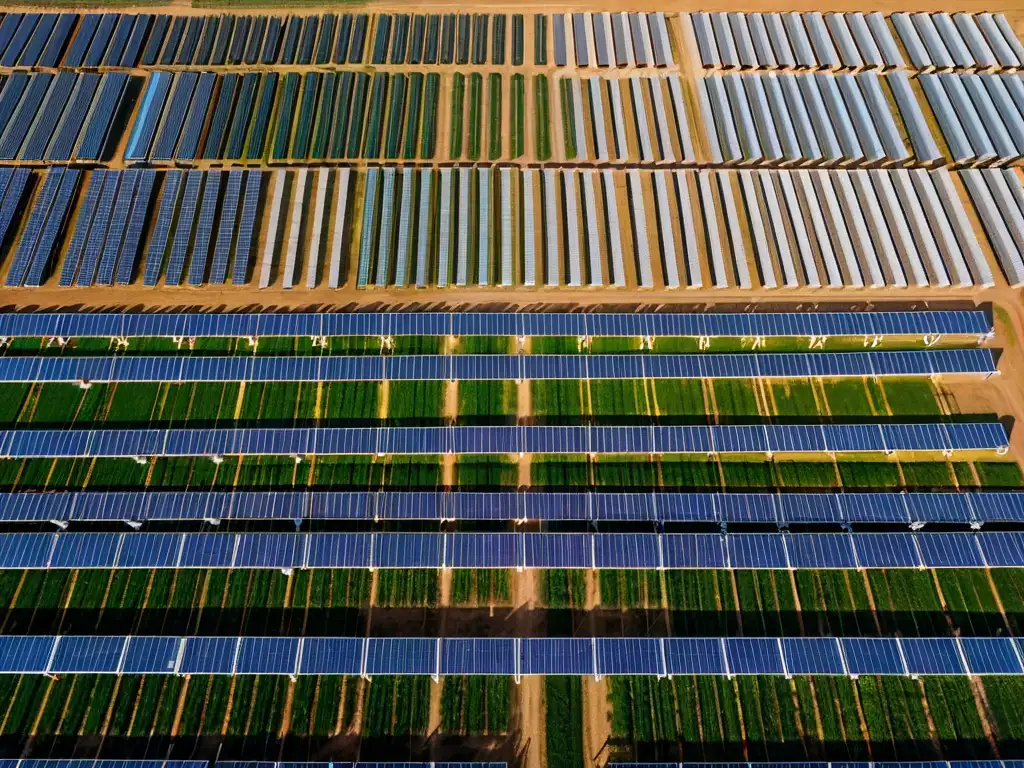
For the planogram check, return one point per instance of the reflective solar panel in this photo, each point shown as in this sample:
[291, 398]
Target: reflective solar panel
[753, 656]
[873, 656]
[556, 656]
[401, 656]
[478, 656]
[694, 656]
[629, 656]
[812, 656]
[931, 656]
[991, 656]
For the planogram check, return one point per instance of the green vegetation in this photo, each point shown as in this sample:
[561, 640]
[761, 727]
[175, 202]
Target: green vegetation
[474, 706]
[476, 87]
[458, 110]
[494, 121]
[568, 117]
[563, 706]
[541, 104]
[518, 108]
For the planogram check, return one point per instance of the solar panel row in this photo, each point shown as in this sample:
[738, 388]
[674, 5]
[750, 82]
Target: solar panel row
[637, 324]
[338, 441]
[489, 367]
[781, 509]
[512, 550]
[129, 40]
[369, 656]
[58, 117]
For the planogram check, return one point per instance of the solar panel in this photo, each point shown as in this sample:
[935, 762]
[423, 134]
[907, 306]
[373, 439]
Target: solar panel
[204, 230]
[812, 656]
[183, 228]
[126, 194]
[873, 656]
[402, 656]
[556, 656]
[331, 656]
[158, 241]
[246, 228]
[990, 656]
[931, 656]
[754, 656]
[98, 229]
[478, 656]
[129, 253]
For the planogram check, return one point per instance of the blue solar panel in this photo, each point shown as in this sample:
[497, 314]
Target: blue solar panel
[401, 656]
[687, 550]
[932, 656]
[246, 227]
[765, 550]
[158, 241]
[753, 656]
[629, 656]
[694, 656]
[873, 656]
[406, 550]
[267, 656]
[150, 550]
[83, 223]
[747, 508]
[269, 550]
[33, 229]
[812, 656]
[151, 655]
[183, 228]
[991, 656]
[140, 209]
[331, 656]
[209, 656]
[25, 550]
[886, 550]
[204, 230]
[556, 656]
[484, 550]
[226, 228]
[206, 551]
[820, 550]
[555, 550]
[118, 221]
[1002, 549]
[997, 506]
[148, 118]
[948, 550]
[85, 550]
[98, 229]
[481, 656]
[76, 654]
[626, 550]
[97, 131]
[25, 653]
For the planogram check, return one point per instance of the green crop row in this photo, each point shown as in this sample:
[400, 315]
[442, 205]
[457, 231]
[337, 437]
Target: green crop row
[475, 706]
[494, 92]
[285, 116]
[458, 109]
[476, 86]
[568, 117]
[518, 106]
[541, 103]
[396, 706]
[563, 721]
[767, 719]
[481, 587]
[407, 587]
[429, 136]
[396, 113]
